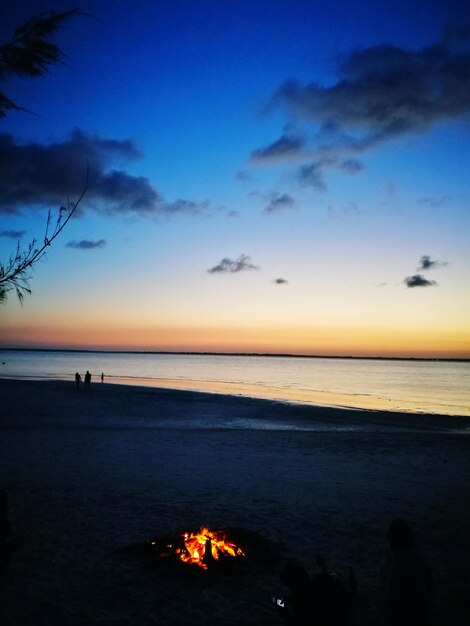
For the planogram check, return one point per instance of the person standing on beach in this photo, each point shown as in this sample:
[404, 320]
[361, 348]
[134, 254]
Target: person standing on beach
[406, 578]
[87, 379]
[102, 377]
[78, 379]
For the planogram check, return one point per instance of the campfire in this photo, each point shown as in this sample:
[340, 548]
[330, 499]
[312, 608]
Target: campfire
[202, 548]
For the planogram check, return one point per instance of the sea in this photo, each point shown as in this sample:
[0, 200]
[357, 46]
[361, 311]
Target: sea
[413, 386]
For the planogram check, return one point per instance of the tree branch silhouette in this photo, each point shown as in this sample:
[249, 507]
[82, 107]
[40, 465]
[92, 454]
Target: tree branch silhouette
[17, 272]
[29, 53]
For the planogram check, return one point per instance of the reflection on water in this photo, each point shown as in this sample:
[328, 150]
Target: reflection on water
[409, 386]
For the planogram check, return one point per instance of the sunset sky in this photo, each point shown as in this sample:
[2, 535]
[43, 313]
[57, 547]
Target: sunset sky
[265, 176]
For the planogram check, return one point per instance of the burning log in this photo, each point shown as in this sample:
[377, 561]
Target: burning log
[202, 548]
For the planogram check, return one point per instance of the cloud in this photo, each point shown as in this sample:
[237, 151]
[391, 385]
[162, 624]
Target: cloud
[379, 93]
[351, 166]
[281, 202]
[384, 91]
[281, 281]
[243, 176]
[426, 263]
[183, 206]
[286, 147]
[417, 280]
[239, 265]
[434, 203]
[12, 234]
[34, 174]
[86, 244]
[312, 174]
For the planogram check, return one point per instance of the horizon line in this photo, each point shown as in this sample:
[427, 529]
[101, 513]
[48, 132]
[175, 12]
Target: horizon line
[247, 354]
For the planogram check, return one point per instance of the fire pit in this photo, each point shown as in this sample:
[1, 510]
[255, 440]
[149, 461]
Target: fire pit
[203, 548]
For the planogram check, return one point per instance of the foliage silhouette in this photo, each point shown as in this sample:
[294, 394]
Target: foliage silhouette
[29, 53]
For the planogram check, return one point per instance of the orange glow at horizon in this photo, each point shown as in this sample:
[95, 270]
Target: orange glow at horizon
[315, 340]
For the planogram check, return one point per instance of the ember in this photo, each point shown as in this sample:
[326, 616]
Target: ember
[201, 548]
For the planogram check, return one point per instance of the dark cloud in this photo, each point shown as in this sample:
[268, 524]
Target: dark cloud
[379, 93]
[228, 265]
[286, 147]
[426, 263]
[12, 234]
[417, 280]
[86, 244]
[281, 202]
[281, 281]
[384, 91]
[33, 174]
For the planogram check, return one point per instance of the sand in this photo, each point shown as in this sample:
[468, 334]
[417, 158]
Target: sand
[92, 474]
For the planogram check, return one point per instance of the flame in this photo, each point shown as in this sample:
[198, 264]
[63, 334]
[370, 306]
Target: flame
[206, 545]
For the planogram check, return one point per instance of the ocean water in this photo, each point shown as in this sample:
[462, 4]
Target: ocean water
[434, 387]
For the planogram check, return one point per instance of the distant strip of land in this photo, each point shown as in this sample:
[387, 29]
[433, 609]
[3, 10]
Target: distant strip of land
[246, 354]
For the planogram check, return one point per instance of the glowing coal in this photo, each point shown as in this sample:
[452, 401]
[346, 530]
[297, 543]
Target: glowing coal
[201, 548]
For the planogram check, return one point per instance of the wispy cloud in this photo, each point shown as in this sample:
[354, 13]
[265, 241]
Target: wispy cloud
[426, 263]
[286, 147]
[12, 234]
[243, 176]
[34, 174]
[86, 244]
[434, 202]
[227, 265]
[278, 203]
[418, 280]
[351, 166]
[312, 174]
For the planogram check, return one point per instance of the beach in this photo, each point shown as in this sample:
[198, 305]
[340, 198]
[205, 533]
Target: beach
[94, 473]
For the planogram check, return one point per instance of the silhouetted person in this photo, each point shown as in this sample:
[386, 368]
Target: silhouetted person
[406, 579]
[297, 608]
[78, 379]
[102, 377]
[87, 379]
[323, 599]
[332, 596]
[9, 544]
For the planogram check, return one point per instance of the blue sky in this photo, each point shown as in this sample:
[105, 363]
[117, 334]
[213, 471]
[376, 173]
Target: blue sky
[265, 129]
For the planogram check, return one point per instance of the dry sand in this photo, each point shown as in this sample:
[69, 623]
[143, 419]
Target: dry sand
[90, 472]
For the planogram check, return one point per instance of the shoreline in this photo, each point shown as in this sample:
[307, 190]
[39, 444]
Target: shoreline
[318, 400]
[287, 413]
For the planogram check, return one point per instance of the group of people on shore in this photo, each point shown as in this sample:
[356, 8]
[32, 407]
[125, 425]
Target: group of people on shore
[87, 379]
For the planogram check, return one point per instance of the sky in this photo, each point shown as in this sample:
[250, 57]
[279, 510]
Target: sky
[264, 176]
